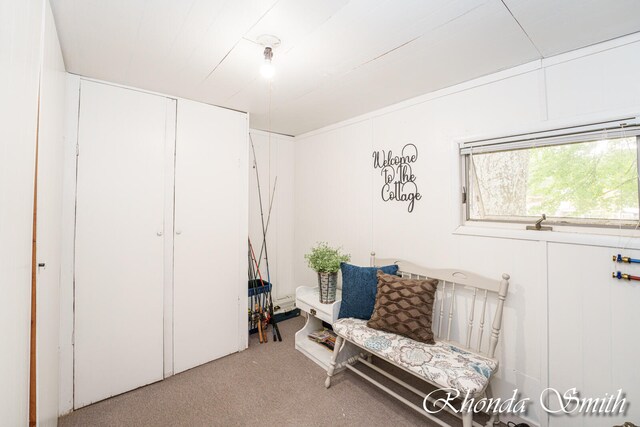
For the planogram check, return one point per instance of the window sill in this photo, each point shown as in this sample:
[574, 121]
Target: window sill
[604, 237]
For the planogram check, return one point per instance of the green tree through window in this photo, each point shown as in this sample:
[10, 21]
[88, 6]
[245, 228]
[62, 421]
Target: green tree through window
[587, 180]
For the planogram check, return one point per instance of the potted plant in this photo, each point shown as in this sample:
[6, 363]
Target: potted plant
[326, 260]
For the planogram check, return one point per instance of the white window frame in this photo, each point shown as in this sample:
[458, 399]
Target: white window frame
[627, 126]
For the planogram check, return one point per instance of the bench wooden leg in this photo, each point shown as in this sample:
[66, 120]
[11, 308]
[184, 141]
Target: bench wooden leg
[332, 365]
[495, 416]
[467, 418]
[493, 420]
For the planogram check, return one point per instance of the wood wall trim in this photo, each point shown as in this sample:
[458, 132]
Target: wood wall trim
[34, 273]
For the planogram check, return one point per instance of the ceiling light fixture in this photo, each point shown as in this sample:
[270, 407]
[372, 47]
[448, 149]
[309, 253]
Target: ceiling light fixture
[269, 42]
[267, 69]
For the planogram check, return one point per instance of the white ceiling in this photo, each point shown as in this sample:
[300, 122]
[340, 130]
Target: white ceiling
[338, 58]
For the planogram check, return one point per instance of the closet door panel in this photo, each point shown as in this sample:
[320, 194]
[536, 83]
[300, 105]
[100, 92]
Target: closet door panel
[119, 243]
[210, 220]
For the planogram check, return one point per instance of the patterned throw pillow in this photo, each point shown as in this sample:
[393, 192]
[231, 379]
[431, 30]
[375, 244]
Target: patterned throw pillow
[359, 286]
[404, 307]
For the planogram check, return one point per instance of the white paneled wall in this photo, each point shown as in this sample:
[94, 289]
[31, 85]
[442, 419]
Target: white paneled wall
[50, 169]
[337, 198]
[72, 103]
[605, 82]
[592, 342]
[275, 158]
[20, 63]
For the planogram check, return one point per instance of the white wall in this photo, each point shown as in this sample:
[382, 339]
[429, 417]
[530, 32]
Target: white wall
[20, 60]
[337, 199]
[50, 167]
[275, 158]
[72, 100]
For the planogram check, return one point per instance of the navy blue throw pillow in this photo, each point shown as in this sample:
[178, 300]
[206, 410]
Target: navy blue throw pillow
[359, 288]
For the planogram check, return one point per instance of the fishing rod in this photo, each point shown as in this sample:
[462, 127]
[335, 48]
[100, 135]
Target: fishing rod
[254, 309]
[264, 242]
[257, 289]
[272, 197]
[276, 330]
[266, 291]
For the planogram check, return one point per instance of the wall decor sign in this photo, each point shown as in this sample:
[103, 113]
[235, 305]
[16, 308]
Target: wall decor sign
[397, 173]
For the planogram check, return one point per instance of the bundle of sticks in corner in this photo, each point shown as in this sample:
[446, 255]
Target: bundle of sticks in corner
[261, 310]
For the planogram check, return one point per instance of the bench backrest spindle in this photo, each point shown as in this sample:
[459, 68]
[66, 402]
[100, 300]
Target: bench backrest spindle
[460, 280]
[484, 309]
[444, 292]
[451, 309]
[497, 320]
[470, 324]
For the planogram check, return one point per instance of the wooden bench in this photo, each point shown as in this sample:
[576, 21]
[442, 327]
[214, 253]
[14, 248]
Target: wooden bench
[462, 358]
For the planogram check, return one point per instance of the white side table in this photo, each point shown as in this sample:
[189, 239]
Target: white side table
[308, 300]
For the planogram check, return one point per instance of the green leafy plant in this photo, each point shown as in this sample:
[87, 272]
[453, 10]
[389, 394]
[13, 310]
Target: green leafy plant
[325, 259]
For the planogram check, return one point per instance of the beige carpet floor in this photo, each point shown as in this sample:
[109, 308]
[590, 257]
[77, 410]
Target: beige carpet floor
[267, 384]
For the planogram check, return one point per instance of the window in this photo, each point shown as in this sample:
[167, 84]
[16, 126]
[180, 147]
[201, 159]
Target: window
[575, 176]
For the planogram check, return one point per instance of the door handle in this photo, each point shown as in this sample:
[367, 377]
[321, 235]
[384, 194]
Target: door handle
[159, 233]
[178, 232]
[42, 265]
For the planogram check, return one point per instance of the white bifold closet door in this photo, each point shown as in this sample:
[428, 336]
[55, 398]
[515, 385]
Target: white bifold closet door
[119, 241]
[211, 225]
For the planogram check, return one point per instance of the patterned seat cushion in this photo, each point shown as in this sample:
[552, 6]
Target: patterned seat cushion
[441, 364]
